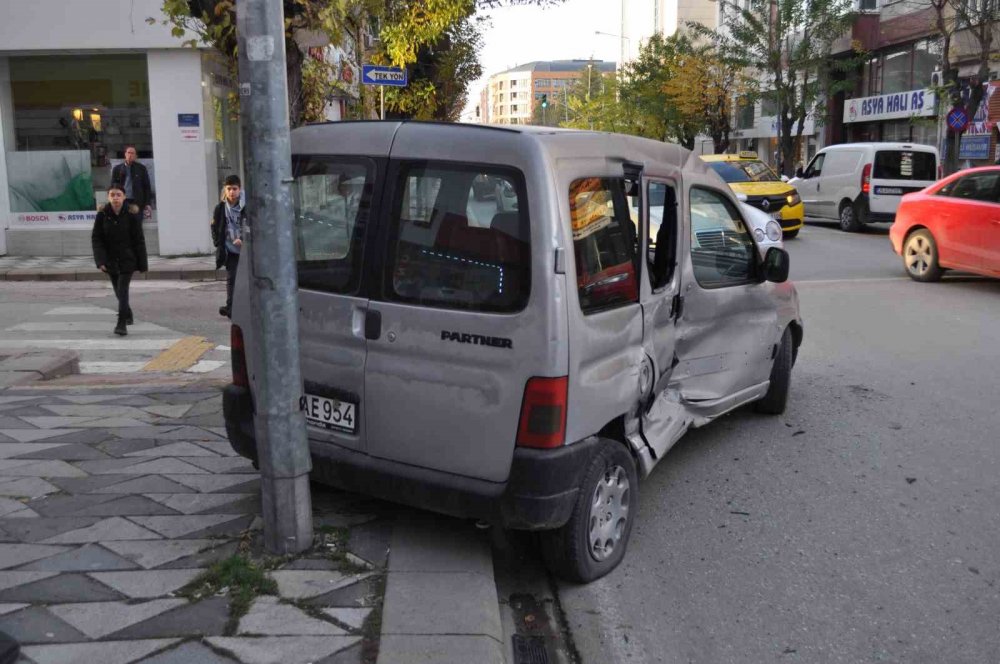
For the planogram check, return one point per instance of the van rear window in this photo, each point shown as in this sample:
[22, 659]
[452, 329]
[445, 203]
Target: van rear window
[905, 165]
[332, 199]
[460, 239]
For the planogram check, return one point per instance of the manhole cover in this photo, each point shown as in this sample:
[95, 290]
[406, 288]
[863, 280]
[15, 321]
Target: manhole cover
[529, 650]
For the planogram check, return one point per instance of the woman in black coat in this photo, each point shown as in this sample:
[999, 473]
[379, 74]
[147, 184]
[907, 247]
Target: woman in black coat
[119, 249]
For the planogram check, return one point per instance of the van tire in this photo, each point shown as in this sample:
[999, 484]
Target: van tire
[567, 551]
[850, 219]
[776, 398]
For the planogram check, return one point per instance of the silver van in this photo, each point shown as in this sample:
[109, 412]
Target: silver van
[861, 183]
[527, 364]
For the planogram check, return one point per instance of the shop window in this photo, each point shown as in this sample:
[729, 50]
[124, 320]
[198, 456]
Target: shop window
[926, 54]
[73, 118]
[896, 71]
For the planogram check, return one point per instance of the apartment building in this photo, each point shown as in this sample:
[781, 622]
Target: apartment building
[641, 19]
[509, 97]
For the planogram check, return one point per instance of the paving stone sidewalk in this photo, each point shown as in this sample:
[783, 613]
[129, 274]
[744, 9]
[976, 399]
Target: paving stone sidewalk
[113, 504]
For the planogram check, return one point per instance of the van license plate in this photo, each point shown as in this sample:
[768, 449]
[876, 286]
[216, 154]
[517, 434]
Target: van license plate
[330, 413]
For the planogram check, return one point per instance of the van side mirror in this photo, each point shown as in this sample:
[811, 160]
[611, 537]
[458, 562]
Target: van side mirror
[776, 263]
[799, 173]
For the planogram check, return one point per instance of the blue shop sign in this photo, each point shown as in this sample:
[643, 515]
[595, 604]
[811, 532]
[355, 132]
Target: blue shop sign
[974, 147]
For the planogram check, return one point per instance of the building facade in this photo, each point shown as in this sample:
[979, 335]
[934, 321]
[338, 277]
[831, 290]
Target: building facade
[79, 81]
[641, 19]
[510, 97]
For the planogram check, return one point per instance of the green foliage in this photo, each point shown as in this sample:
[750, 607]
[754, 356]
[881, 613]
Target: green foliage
[788, 44]
[239, 577]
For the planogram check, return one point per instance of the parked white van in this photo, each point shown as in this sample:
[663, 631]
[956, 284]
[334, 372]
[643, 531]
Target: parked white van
[861, 183]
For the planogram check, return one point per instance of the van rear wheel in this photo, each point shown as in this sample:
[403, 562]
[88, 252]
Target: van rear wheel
[593, 541]
[850, 219]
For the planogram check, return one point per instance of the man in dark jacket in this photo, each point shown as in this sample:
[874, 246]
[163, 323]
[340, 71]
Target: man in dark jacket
[119, 249]
[133, 178]
[227, 234]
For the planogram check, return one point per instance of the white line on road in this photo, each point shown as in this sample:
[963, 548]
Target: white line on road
[79, 326]
[110, 367]
[79, 311]
[204, 366]
[91, 344]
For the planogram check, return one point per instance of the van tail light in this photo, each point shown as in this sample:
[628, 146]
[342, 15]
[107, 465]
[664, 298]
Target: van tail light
[866, 179]
[239, 357]
[543, 413]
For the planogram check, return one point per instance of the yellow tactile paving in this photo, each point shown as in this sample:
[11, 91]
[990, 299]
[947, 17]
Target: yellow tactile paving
[181, 355]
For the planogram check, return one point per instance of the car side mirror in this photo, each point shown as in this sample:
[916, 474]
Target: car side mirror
[776, 263]
[784, 178]
[742, 198]
[799, 173]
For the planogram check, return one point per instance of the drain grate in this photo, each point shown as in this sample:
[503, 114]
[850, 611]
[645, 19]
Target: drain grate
[529, 650]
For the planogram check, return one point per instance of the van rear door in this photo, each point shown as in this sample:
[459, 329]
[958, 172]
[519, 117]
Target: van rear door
[333, 199]
[458, 335]
[897, 172]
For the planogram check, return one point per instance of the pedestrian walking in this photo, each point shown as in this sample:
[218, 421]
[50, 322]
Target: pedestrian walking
[133, 178]
[227, 234]
[119, 249]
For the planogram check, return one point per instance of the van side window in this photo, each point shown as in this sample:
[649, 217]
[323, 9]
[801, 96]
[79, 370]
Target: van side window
[332, 201]
[722, 251]
[662, 241]
[815, 166]
[459, 239]
[605, 243]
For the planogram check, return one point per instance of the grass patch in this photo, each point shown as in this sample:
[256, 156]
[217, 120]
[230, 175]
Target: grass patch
[239, 577]
[333, 541]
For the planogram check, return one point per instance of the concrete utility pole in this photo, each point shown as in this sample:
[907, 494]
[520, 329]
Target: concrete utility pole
[279, 423]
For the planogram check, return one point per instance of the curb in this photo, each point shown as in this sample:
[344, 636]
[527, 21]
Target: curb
[441, 603]
[18, 367]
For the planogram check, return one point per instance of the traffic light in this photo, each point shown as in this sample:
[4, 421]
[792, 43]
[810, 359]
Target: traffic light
[545, 101]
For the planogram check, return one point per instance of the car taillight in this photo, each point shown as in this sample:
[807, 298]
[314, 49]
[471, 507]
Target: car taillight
[866, 179]
[543, 413]
[239, 357]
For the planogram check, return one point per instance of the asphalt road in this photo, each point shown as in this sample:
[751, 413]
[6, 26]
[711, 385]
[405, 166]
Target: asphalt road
[862, 525]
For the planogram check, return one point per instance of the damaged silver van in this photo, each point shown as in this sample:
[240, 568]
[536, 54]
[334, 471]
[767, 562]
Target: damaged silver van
[524, 363]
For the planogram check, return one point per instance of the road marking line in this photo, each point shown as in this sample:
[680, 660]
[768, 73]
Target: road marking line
[110, 367]
[78, 311]
[181, 355]
[78, 326]
[847, 281]
[90, 344]
[204, 366]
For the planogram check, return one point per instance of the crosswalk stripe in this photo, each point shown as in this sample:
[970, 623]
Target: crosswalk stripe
[90, 344]
[110, 367]
[77, 311]
[80, 326]
[204, 366]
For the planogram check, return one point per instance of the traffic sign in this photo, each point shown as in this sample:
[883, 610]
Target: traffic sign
[958, 119]
[379, 75]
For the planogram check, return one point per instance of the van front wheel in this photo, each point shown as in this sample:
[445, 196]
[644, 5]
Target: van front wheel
[593, 541]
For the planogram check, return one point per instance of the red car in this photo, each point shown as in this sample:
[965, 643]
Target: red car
[952, 225]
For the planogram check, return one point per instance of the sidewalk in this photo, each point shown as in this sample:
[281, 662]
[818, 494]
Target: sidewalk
[129, 532]
[81, 268]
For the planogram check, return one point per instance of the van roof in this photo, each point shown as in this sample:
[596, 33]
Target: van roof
[918, 147]
[377, 136]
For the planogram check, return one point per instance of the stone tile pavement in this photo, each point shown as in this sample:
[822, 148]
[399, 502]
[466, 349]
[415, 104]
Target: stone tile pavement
[81, 268]
[114, 503]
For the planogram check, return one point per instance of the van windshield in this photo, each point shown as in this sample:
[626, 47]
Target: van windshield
[744, 171]
[905, 165]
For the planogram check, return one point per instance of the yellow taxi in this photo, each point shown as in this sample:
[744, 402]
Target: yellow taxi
[748, 175]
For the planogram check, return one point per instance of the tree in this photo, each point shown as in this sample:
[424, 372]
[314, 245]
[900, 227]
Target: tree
[706, 84]
[788, 43]
[406, 26]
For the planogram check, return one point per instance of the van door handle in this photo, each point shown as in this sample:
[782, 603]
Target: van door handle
[373, 325]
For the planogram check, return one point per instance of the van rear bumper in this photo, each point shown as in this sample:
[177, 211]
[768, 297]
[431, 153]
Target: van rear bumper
[539, 493]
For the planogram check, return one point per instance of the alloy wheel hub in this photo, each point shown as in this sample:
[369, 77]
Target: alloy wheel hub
[609, 513]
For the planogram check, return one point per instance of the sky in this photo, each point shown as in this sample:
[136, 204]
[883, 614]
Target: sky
[517, 35]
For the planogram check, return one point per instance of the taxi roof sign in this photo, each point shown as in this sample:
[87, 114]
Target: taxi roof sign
[748, 154]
